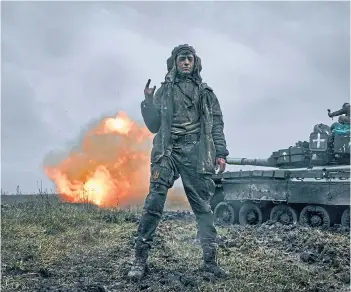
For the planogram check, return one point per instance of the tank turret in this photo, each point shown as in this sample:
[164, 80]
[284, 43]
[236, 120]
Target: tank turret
[292, 157]
[326, 147]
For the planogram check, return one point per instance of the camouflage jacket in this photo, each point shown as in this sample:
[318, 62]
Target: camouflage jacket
[158, 118]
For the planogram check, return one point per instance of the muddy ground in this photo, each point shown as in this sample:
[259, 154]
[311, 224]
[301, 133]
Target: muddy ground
[52, 246]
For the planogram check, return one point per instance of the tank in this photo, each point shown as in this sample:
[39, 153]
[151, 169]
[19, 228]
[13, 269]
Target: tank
[307, 184]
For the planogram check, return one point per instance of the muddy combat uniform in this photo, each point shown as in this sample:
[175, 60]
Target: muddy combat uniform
[187, 118]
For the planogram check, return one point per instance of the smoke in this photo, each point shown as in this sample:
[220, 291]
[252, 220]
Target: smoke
[108, 165]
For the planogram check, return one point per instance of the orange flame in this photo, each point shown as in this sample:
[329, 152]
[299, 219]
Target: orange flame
[112, 167]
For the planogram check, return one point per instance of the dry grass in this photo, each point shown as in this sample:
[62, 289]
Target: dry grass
[51, 246]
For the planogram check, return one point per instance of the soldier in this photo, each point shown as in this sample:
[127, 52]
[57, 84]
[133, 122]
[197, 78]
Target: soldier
[345, 110]
[186, 117]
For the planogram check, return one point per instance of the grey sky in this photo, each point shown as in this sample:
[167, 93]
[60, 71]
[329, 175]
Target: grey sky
[275, 67]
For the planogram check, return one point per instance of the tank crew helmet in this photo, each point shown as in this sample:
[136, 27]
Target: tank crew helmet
[171, 63]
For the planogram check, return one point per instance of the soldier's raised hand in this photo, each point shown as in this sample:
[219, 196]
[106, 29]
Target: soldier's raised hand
[149, 92]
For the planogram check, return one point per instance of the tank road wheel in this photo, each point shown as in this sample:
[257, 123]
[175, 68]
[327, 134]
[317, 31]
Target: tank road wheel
[345, 218]
[283, 214]
[250, 214]
[224, 214]
[314, 216]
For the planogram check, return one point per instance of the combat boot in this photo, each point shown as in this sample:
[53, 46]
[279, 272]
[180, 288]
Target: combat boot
[210, 262]
[139, 266]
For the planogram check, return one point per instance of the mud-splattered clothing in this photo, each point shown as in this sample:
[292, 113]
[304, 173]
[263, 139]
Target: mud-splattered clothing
[199, 188]
[158, 118]
[185, 108]
[186, 118]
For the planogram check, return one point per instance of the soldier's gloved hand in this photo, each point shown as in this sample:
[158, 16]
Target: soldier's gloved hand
[149, 92]
[220, 162]
[329, 114]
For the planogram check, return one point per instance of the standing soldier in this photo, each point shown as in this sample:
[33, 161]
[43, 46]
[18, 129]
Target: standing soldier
[186, 117]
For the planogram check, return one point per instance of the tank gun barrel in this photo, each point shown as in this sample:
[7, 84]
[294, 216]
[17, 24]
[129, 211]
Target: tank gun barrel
[248, 161]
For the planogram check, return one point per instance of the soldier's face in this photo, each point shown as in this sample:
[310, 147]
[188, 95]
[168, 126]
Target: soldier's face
[185, 63]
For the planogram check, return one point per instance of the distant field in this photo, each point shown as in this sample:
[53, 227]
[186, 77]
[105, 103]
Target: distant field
[51, 246]
[178, 202]
[13, 199]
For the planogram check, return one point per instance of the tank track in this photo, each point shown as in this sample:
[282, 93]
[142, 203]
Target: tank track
[318, 197]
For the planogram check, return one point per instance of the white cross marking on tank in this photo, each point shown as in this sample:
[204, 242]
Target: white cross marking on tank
[284, 155]
[318, 140]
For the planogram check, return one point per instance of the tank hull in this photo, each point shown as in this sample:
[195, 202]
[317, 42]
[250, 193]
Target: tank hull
[299, 188]
[308, 183]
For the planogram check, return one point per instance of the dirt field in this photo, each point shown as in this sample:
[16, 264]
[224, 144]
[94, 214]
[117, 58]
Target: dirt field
[52, 246]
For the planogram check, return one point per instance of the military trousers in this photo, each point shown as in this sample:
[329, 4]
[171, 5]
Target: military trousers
[199, 188]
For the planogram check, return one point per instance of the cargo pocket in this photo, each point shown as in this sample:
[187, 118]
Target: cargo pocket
[161, 175]
[191, 153]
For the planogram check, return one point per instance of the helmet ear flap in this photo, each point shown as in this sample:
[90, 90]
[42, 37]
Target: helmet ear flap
[198, 65]
[171, 68]
[170, 63]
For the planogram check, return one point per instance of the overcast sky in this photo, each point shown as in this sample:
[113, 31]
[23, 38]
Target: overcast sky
[276, 68]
